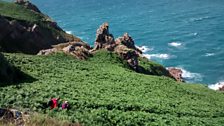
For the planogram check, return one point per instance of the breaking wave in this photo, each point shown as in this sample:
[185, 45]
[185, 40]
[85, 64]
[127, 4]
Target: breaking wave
[144, 49]
[160, 56]
[190, 76]
[209, 54]
[175, 44]
[69, 32]
[216, 86]
[199, 18]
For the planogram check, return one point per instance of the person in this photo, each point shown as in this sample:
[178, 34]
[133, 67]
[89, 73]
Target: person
[53, 103]
[65, 105]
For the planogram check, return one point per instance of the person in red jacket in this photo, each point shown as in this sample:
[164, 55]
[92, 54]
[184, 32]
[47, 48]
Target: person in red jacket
[53, 103]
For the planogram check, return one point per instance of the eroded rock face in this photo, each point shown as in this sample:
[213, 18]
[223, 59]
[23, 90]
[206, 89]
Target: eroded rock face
[47, 51]
[126, 40]
[124, 46]
[130, 55]
[103, 37]
[79, 50]
[221, 88]
[19, 36]
[176, 74]
[28, 5]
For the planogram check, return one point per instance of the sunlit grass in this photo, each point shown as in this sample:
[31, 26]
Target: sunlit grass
[104, 91]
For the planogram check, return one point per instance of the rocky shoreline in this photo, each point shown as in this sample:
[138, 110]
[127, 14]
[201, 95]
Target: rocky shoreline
[46, 37]
[33, 38]
[124, 46]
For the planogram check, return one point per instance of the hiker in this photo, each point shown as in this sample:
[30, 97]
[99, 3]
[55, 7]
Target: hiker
[65, 105]
[53, 103]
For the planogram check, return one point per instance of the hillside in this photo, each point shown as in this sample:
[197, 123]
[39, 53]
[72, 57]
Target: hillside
[102, 90]
[23, 28]
[109, 84]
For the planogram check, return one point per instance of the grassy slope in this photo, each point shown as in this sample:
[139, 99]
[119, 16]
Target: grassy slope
[102, 90]
[20, 13]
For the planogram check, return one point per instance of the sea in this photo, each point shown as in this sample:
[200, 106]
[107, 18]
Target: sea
[187, 34]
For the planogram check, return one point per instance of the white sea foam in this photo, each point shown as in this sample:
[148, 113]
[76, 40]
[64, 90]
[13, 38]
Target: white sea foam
[190, 76]
[199, 18]
[160, 56]
[209, 54]
[175, 44]
[144, 49]
[216, 86]
[195, 34]
[69, 32]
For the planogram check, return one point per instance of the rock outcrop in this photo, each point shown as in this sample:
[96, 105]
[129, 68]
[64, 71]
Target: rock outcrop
[176, 74]
[34, 8]
[127, 41]
[221, 88]
[13, 116]
[30, 36]
[103, 38]
[130, 55]
[25, 37]
[123, 46]
[218, 86]
[79, 50]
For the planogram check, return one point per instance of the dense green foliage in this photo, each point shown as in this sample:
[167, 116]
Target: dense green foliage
[152, 68]
[103, 91]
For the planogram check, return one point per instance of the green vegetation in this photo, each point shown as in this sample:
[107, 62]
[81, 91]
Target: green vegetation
[152, 68]
[18, 12]
[104, 91]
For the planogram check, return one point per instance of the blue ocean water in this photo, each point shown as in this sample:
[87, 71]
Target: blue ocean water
[187, 34]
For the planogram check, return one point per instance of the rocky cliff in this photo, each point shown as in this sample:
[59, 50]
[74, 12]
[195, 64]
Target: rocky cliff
[28, 31]
[123, 46]
[32, 32]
